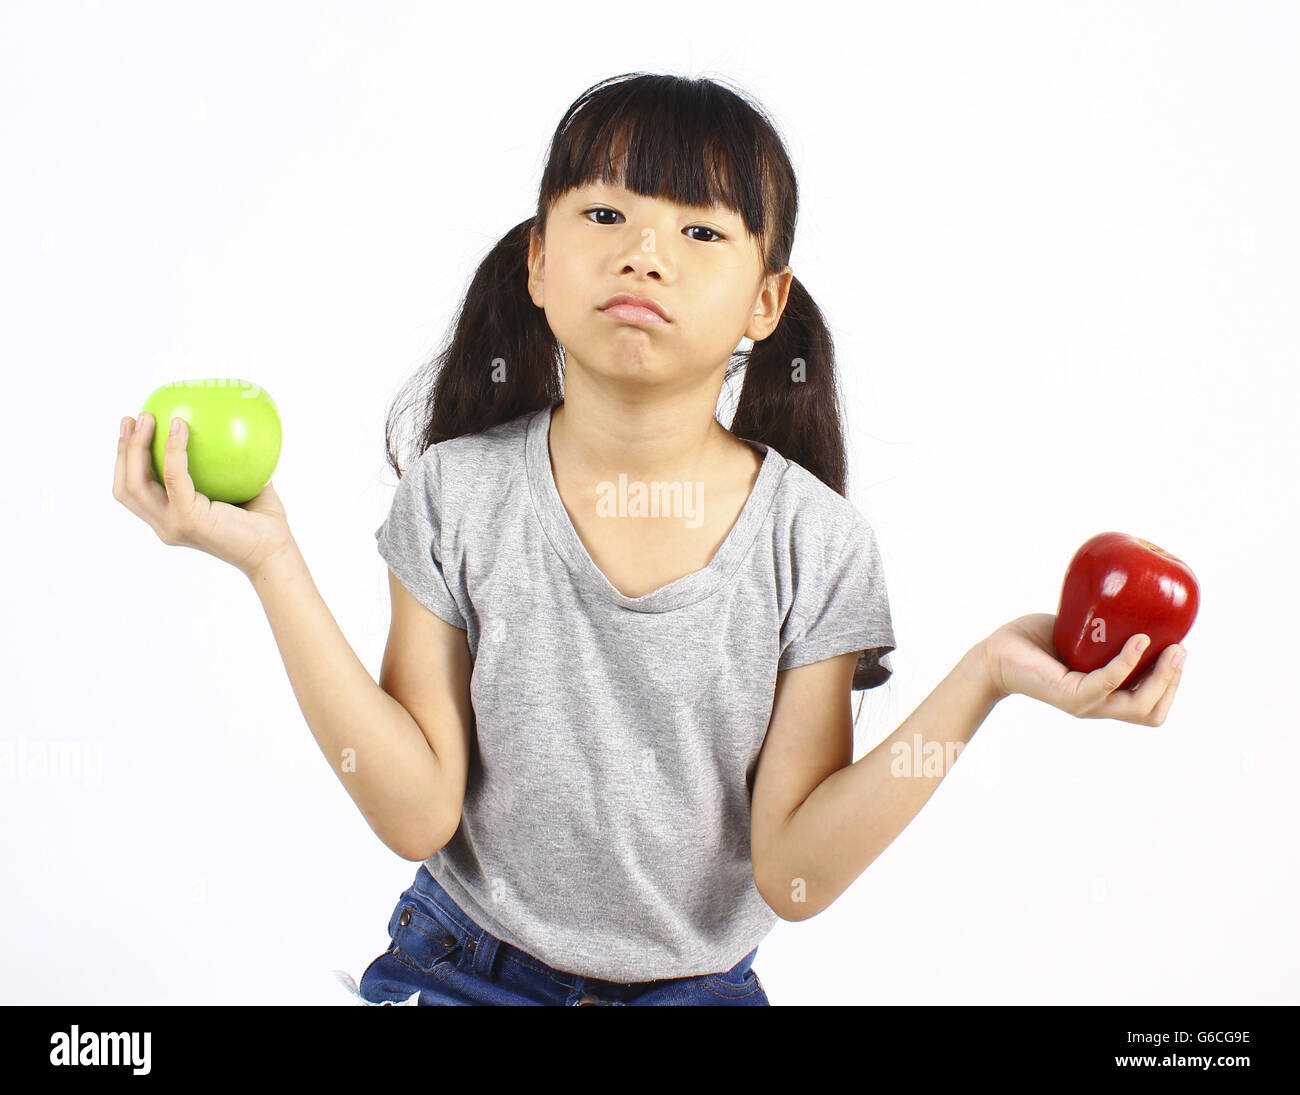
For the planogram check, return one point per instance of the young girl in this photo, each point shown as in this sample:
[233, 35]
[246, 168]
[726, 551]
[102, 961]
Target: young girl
[613, 720]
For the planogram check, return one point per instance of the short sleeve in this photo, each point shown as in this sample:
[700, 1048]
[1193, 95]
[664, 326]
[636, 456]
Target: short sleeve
[410, 539]
[841, 604]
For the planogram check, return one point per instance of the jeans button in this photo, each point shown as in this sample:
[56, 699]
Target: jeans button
[405, 918]
[588, 998]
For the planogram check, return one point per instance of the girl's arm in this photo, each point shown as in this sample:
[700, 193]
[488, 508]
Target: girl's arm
[855, 813]
[410, 794]
[400, 747]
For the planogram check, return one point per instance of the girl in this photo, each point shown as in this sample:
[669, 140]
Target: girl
[613, 719]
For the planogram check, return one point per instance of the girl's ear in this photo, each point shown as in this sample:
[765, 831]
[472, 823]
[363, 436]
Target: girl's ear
[770, 305]
[536, 264]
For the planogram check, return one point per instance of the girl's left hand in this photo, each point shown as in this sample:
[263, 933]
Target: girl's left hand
[1021, 660]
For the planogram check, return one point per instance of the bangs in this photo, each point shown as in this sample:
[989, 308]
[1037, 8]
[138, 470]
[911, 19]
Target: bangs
[691, 142]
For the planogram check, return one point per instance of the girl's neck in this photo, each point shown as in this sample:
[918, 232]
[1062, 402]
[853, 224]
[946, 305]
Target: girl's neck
[649, 442]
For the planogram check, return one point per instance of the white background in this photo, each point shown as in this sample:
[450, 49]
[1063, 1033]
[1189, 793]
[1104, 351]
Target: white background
[1056, 245]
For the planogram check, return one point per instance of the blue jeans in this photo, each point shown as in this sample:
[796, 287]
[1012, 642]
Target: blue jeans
[441, 954]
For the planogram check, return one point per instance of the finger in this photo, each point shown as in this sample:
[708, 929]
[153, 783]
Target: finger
[148, 495]
[1102, 685]
[124, 429]
[134, 500]
[1139, 705]
[176, 468]
[1172, 679]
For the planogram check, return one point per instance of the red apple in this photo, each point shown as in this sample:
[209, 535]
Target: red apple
[1118, 586]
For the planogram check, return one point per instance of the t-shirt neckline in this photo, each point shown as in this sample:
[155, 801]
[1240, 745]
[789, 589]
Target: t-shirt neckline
[683, 591]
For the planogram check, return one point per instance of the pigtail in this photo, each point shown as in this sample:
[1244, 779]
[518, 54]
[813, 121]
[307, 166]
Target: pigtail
[500, 361]
[790, 397]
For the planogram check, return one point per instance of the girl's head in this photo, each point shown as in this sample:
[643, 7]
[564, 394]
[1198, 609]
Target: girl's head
[701, 204]
[667, 189]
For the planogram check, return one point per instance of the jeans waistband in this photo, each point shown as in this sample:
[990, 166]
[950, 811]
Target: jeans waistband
[484, 946]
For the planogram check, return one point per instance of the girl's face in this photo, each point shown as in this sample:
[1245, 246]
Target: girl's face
[699, 264]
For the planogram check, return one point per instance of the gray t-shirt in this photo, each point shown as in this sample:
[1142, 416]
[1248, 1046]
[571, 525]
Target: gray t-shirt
[606, 821]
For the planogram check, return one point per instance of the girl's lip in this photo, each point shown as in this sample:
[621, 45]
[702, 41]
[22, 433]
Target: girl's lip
[637, 300]
[631, 313]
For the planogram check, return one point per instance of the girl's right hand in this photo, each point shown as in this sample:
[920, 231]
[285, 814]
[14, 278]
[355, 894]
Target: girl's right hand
[244, 536]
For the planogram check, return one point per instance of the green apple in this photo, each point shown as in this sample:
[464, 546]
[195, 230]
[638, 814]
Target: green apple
[234, 435]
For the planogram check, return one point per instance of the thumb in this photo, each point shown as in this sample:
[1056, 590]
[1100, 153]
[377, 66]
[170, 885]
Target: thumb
[1115, 672]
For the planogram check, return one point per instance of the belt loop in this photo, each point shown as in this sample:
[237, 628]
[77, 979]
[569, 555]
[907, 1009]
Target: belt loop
[483, 949]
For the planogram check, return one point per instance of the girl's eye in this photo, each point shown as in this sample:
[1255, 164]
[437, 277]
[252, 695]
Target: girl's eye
[692, 228]
[704, 228]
